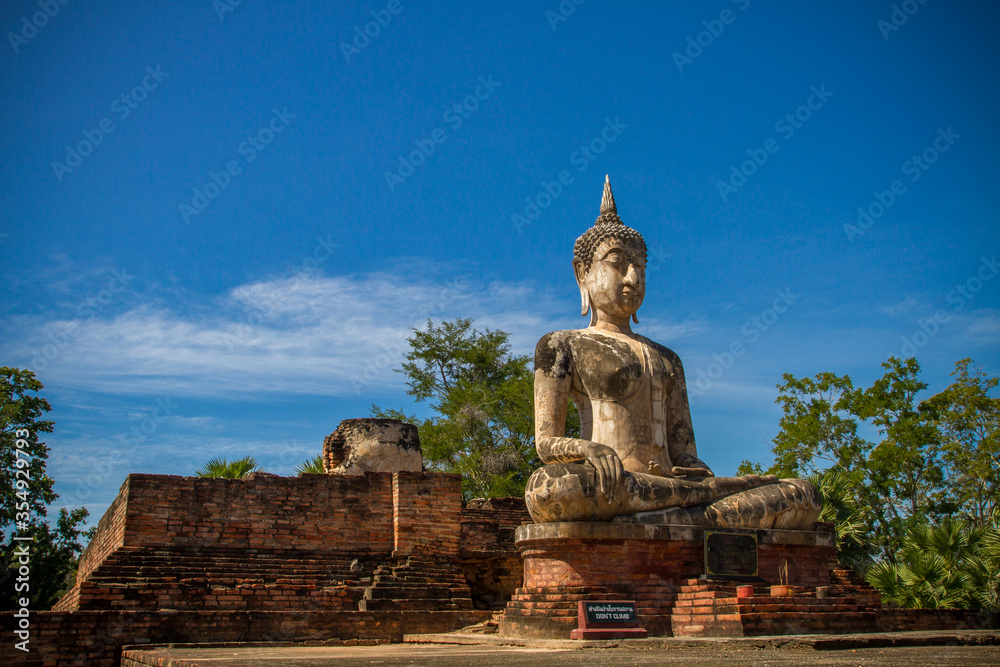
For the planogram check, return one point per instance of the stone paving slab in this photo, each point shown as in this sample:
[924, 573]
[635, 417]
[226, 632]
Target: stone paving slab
[975, 648]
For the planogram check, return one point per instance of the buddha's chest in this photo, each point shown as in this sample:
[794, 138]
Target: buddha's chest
[608, 368]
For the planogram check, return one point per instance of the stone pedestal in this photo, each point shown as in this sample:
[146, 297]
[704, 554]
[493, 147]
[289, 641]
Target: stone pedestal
[654, 565]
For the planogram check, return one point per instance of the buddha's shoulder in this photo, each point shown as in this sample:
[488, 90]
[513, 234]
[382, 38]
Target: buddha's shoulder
[560, 337]
[559, 352]
[565, 340]
[553, 353]
[663, 350]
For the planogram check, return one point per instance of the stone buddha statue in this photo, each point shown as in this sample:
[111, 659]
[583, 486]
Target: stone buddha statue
[635, 459]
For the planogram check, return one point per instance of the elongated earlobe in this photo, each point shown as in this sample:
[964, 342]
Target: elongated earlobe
[635, 319]
[584, 301]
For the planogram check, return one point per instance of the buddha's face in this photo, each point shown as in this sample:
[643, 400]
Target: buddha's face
[616, 280]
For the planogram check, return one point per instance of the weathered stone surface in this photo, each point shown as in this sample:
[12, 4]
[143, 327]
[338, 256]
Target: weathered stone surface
[818, 535]
[372, 445]
[636, 454]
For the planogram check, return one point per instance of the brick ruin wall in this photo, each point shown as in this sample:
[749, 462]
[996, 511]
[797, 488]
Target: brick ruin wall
[166, 527]
[312, 513]
[194, 559]
[108, 537]
[492, 564]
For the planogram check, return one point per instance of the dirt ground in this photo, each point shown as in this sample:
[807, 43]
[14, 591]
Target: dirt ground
[497, 656]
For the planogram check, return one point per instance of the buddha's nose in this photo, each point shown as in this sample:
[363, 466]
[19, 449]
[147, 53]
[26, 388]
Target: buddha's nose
[632, 277]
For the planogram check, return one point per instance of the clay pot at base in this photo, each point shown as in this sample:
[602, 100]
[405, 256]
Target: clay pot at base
[781, 591]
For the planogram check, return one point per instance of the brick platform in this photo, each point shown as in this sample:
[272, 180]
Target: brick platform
[180, 559]
[317, 542]
[660, 568]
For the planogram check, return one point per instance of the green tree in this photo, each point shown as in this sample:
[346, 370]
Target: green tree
[314, 465]
[898, 481]
[969, 422]
[482, 397]
[25, 495]
[219, 467]
[918, 508]
[22, 454]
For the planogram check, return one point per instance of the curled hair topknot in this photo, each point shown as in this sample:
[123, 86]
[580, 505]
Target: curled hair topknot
[607, 226]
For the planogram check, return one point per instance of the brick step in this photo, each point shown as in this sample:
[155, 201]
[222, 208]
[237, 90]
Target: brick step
[819, 606]
[456, 580]
[563, 590]
[209, 571]
[227, 576]
[705, 611]
[409, 592]
[569, 599]
[554, 614]
[132, 591]
[429, 604]
[221, 565]
[233, 590]
[418, 574]
[307, 559]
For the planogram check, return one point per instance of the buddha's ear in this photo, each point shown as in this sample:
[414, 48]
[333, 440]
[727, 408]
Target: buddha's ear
[635, 319]
[580, 271]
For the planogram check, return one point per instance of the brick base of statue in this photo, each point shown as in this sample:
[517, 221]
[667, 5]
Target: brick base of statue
[661, 568]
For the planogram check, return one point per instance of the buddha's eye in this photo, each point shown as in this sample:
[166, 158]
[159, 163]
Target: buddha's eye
[615, 257]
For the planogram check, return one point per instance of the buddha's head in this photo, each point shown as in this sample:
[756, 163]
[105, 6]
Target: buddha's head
[609, 261]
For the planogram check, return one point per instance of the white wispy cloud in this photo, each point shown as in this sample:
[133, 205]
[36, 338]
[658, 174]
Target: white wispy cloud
[319, 335]
[983, 326]
[905, 306]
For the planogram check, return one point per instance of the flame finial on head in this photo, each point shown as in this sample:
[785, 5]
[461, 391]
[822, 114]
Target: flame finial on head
[608, 199]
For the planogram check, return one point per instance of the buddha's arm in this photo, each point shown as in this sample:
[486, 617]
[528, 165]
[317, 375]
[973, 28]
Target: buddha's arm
[551, 405]
[683, 452]
[553, 378]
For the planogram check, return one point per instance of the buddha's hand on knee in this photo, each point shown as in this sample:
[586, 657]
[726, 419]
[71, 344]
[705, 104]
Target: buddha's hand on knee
[692, 466]
[608, 464]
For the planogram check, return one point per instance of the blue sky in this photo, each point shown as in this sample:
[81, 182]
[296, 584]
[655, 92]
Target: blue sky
[219, 221]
